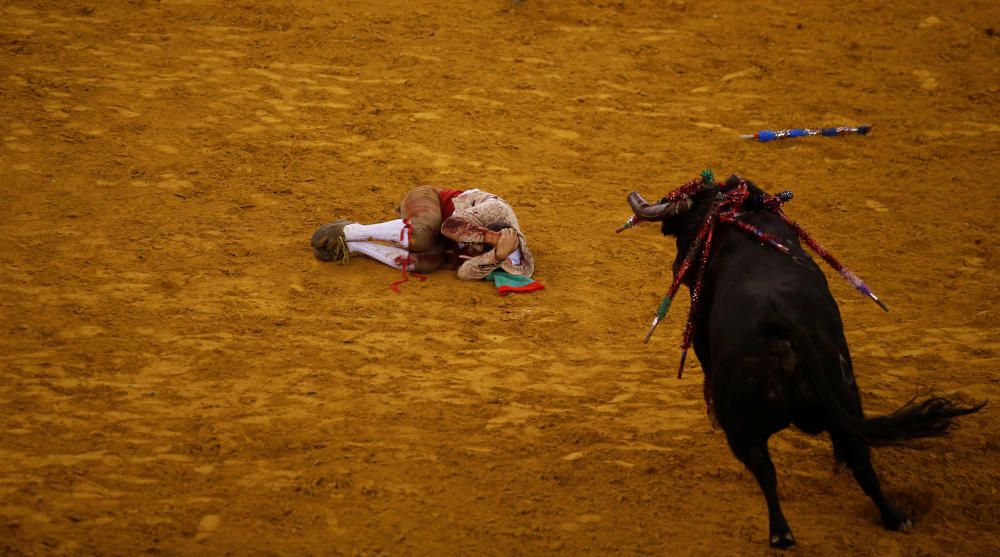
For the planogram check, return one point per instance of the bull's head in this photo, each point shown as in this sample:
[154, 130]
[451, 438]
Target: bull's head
[680, 209]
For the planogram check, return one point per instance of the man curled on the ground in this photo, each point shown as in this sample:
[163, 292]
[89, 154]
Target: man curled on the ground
[480, 229]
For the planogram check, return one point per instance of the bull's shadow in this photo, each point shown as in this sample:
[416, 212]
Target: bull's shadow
[770, 339]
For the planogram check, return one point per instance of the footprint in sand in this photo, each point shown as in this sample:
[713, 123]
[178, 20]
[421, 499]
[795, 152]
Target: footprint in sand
[750, 73]
[559, 133]
[927, 81]
[477, 99]
[876, 206]
[124, 111]
[207, 525]
[930, 22]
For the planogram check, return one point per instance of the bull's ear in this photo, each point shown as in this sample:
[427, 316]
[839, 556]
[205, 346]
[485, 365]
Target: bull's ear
[733, 181]
[672, 227]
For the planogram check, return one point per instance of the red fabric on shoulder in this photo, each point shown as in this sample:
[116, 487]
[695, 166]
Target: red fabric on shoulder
[447, 199]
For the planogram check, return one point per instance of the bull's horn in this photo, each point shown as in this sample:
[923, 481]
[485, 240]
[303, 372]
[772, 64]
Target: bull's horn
[656, 211]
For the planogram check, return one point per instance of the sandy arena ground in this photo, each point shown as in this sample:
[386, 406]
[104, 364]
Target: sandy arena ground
[180, 376]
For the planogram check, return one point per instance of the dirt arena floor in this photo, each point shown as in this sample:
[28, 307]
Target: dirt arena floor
[180, 376]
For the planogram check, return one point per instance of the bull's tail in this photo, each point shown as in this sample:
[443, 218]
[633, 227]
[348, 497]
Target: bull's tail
[932, 417]
[929, 418]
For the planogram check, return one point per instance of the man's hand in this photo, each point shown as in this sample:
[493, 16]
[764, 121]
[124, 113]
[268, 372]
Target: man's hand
[506, 245]
[490, 237]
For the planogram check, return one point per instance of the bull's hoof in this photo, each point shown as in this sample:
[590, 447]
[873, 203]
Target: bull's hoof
[782, 540]
[896, 520]
[328, 242]
[898, 523]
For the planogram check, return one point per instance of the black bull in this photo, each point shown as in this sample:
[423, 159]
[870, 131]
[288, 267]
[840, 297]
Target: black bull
[771, 342]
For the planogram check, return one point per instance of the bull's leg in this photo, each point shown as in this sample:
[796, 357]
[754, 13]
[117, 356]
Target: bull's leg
[858, 458]
[752, 451]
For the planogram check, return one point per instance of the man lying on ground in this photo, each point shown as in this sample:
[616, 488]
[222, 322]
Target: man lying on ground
[478, 227]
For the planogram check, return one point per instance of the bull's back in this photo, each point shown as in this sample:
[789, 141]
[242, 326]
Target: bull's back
[757, 298]
[749, 285]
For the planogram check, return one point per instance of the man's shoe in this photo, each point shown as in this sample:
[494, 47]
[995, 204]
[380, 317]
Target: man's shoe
[328, 242]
